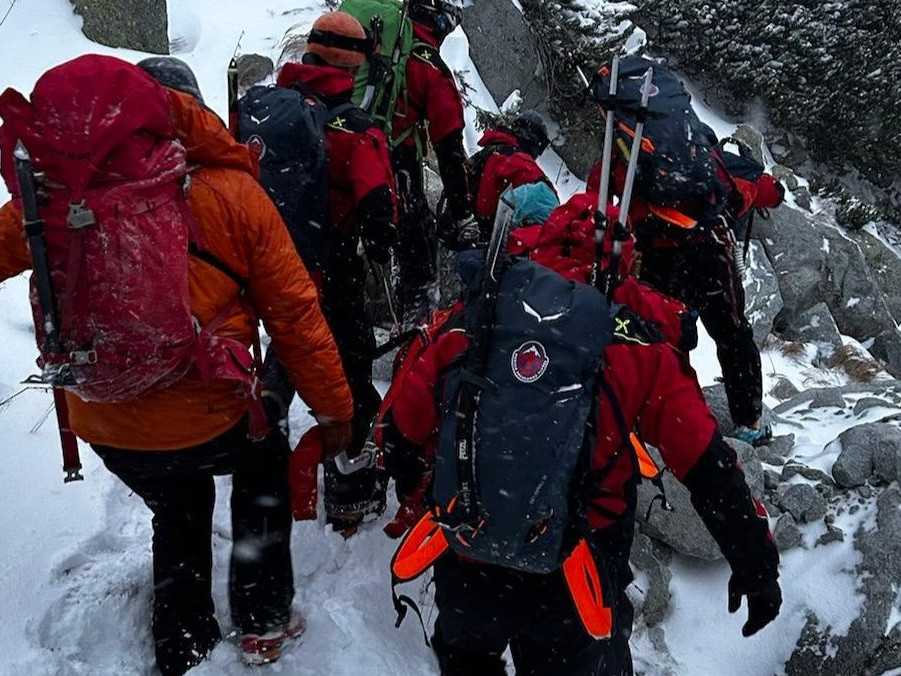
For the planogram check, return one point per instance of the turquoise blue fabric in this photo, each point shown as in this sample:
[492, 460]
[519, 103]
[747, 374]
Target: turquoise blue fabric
[534, 203]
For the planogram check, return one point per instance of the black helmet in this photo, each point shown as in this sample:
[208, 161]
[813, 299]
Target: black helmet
[442, 16]
[173, 73]
[531, 132]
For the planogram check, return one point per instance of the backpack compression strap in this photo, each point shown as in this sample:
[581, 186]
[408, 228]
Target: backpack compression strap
[584, 583]
[418, 551]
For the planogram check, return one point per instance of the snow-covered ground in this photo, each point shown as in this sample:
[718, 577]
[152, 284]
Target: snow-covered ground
[75, 582]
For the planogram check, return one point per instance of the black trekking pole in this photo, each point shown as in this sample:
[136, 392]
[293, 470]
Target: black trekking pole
[600, 214]
[54, 375]
[621, 232]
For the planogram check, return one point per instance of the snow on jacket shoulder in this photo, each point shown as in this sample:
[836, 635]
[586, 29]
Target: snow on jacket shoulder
[237, 224]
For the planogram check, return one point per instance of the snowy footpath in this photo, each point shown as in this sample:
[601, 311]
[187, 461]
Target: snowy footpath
[75, 565]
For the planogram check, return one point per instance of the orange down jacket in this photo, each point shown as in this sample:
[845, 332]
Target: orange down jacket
[240, 227]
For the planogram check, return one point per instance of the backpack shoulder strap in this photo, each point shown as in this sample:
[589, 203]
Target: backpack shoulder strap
[348, 118]
[629, 328]
[426, 53]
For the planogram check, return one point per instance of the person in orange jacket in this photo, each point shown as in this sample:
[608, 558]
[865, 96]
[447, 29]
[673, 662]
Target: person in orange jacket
[168, 444]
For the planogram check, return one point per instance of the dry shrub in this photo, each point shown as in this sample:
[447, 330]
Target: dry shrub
[860, 368]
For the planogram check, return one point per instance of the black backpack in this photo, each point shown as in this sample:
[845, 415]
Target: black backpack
[286, 129]
[675, 165]
[513, 497]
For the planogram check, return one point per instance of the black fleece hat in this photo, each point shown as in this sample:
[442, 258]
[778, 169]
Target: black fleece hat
[173, 73]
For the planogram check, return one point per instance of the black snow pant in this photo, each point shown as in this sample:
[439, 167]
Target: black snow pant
[702, 274]
[178, 488]
[417, 248]
[345, 309]
[484, 609]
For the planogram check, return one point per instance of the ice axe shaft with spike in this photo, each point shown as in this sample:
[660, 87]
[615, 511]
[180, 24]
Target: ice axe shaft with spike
[620, 232]
[600, 215]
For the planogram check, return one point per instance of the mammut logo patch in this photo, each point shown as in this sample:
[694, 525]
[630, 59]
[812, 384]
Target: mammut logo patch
[529, 362]
[257, 146]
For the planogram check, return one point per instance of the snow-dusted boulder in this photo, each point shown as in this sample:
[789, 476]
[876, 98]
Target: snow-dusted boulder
[141, 25]
[253, 69]
[786, 533]
[815, 325]
[803, 502]
[872, 644]
[816, 262]
[653, 560]
[886, 267]
[859, 447]
[763, 300]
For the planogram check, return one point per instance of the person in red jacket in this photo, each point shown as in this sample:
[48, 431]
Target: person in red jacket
[429, 112]
[701, 264]
[508, 159]
[362, 208]
[649, 387]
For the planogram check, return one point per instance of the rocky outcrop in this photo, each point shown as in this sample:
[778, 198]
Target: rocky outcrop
[141, 25]
[866, 451]
[870, 646]
[825, 71]
[816, 262]
[763, 297]
[815, 325]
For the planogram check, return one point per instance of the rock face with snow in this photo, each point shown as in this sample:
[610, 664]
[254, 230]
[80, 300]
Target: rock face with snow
[141, 25]
[871, 645]
[763, 299]
[826, 71]
[815, 325]
[815, 262]
[859, 449]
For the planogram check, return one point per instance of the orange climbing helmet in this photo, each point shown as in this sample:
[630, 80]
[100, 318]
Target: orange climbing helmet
[340, 40]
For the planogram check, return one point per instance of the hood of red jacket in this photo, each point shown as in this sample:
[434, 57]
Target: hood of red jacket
[325, 81]
[498, 137]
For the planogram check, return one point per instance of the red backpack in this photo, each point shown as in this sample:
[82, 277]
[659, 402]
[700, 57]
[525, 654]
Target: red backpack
[110, 178]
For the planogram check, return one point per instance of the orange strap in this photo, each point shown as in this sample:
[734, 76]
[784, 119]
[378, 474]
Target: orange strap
[584, 582]
[424, 545]
[674, 217]
[646, 464]
[647, 145]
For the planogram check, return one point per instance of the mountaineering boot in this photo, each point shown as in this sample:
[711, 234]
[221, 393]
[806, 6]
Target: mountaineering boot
[260, 649]
[351, 499]
[756, 436]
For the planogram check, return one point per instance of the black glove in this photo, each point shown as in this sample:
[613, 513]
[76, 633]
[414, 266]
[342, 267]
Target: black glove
[764, 600]
[461, 235]
[379, 249]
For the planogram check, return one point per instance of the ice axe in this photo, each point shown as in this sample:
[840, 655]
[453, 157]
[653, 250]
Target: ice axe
[56, 375]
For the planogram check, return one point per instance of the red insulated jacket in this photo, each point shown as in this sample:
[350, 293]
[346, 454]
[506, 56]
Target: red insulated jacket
[431, 94]
[359, 166]
[498, 166]
[566, 244]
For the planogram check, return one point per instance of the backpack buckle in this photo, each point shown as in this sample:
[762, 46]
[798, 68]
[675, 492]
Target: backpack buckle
[80, 216]
[83, 357]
